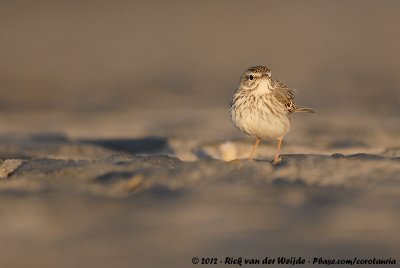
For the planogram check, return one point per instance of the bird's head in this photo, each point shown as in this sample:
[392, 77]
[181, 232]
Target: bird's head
[257, 77]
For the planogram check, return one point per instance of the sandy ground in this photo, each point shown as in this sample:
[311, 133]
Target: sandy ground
[68, 200]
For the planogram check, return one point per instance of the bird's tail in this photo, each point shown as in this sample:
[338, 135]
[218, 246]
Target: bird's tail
[305, 110]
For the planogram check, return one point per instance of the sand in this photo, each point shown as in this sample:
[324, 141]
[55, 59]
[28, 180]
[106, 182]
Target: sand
[160, 201]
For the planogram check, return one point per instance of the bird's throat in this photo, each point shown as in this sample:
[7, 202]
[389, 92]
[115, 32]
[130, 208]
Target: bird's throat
[263, 87]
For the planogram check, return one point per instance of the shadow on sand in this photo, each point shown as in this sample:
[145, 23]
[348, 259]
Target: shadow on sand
[148, 145]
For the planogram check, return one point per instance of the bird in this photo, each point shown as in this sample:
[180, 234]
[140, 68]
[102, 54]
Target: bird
[262, 106]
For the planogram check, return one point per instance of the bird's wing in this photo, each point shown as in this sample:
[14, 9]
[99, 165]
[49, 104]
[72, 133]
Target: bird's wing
[285, 96]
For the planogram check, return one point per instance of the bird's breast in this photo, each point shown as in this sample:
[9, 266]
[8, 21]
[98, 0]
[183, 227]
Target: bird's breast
[261, 116]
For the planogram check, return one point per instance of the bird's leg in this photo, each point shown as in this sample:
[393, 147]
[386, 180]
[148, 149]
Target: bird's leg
[254, 149]
[278, 151]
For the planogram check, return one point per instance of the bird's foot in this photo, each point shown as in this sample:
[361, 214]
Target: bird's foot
[277, 160]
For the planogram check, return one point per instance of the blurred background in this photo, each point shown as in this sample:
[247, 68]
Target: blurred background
[63, 60]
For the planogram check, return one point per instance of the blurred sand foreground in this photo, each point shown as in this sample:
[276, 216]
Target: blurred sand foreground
[160, 201]
[117, 150]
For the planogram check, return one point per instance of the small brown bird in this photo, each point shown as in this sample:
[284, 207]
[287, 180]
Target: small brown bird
[261, 107]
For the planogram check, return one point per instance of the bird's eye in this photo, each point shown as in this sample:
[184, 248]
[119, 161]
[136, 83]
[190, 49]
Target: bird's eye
[251, 77]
